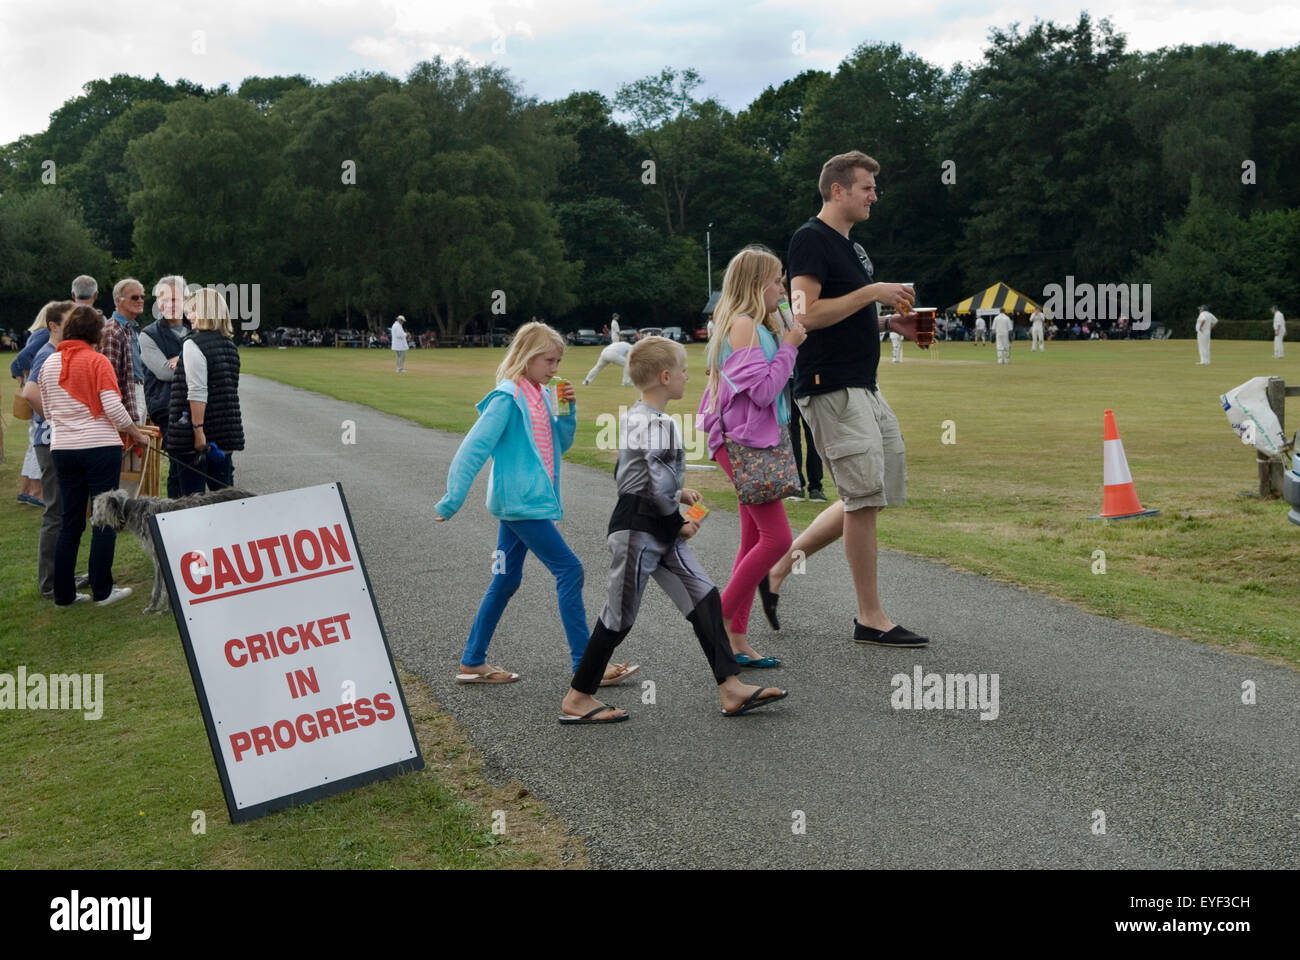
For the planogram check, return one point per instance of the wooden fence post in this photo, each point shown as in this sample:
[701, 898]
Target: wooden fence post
[1270, 471]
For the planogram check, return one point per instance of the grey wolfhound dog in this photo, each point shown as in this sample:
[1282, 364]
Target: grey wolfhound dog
[120, 510]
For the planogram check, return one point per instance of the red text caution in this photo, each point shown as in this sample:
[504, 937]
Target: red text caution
[267, 562]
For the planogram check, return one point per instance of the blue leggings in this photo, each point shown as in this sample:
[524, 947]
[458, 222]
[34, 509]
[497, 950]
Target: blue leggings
[514, 539]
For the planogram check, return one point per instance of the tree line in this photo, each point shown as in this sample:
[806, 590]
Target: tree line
[454, 198]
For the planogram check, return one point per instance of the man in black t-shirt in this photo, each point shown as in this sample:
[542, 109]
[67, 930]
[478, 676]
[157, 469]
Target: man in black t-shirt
[834, 293]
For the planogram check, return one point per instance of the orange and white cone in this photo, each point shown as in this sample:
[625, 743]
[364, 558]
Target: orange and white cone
[1119, 498]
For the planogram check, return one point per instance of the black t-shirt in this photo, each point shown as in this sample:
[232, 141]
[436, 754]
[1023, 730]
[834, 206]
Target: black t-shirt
[847, 353]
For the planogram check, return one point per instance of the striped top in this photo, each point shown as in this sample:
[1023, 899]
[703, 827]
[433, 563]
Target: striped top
[540, 416]
[73, 426]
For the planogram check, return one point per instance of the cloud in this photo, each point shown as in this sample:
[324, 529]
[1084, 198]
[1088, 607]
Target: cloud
[551, 47]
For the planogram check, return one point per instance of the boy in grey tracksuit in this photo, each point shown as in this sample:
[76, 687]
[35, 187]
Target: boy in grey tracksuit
[647, 538]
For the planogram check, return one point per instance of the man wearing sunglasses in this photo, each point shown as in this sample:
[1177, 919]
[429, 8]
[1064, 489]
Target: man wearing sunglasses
[121, 344]
[834, 292]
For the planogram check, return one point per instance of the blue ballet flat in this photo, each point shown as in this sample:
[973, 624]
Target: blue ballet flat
[745, 660]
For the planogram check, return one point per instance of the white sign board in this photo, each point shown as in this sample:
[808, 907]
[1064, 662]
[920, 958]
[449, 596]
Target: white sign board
[288, 655]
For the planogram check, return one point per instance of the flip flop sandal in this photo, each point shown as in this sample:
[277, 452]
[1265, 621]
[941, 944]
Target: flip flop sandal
[501, 676]
[620, 677]
[590, 717]
[745, 660]
[754, 702]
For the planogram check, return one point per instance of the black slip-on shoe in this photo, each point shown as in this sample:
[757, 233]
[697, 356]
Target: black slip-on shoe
[769, 600]
[897, 637]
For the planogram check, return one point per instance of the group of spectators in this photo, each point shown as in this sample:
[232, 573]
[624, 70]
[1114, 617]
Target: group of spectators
[975, 328]
[92, 382]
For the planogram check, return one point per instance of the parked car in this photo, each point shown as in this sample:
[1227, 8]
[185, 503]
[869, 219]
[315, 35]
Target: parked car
[586, 338]
[675, 333]
[499, 337]
[649, 332]
[628, 334]
[700, 334]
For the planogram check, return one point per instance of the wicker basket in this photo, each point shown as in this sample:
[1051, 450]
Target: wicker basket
[141, 474]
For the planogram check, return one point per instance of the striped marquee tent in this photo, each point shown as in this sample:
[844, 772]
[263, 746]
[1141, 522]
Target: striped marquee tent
[995, 298]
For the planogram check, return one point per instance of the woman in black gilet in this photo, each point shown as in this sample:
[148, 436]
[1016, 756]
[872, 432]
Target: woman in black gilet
[204, 426]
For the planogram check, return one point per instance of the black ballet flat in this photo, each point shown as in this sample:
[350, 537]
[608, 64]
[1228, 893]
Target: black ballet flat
[770, 600]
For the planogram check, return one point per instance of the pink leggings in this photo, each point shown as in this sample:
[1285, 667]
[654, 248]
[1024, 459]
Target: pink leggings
[764, 539]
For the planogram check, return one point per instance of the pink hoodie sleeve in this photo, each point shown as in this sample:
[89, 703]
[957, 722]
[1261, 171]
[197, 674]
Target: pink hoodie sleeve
[753, 374]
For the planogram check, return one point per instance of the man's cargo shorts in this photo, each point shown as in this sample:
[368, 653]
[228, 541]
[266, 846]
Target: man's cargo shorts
[857, 435]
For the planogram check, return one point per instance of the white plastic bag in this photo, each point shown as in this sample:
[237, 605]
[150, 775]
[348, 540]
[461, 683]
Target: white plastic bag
[1253, 419]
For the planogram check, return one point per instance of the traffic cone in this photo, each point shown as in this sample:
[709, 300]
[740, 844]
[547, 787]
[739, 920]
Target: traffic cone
[1119, 498]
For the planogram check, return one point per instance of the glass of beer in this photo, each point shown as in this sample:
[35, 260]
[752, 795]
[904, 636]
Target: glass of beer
[925, 328]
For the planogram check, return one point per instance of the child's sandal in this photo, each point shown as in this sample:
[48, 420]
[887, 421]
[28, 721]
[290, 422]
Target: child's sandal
[494, 675]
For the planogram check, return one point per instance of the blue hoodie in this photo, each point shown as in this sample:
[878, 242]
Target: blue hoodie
[518, 487]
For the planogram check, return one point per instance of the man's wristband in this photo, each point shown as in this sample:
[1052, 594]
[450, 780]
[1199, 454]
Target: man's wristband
[198, 426]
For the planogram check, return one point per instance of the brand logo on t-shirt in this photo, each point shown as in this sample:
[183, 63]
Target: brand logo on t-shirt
[864, 260]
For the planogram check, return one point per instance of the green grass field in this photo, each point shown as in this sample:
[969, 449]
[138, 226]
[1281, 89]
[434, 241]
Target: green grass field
[122, 791]
[1009, 499]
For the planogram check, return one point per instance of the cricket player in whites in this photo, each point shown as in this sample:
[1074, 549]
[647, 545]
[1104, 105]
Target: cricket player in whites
[1279, 332]
[980, 327]
[896, 339]
[1205, 322]
[1002, 328]
[616, 353]
[1036, 331]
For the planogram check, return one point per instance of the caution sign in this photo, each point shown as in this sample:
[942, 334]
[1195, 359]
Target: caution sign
[288, 655]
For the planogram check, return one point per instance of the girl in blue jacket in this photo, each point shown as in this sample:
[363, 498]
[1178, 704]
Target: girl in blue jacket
[520, 430]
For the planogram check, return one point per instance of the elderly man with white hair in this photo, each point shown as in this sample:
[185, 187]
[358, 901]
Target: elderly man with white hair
[84, 290]
[121, 344]
[160, 348]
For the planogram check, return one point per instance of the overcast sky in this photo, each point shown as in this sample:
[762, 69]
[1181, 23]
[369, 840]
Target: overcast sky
[49, 48]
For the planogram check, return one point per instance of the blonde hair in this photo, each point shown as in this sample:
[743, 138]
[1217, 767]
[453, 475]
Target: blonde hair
[530, 341]
[747, 274]
[207, 309]
[652, 356]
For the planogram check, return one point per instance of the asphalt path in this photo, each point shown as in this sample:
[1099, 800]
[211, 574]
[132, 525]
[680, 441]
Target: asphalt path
[1099, 724]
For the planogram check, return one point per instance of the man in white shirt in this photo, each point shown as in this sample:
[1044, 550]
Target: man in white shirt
[614, 335]
[615, 353]
[1002, 327]
[399, 343]
[1279, 332]
[1036, 331]
[980, 328]
[1205, 322]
